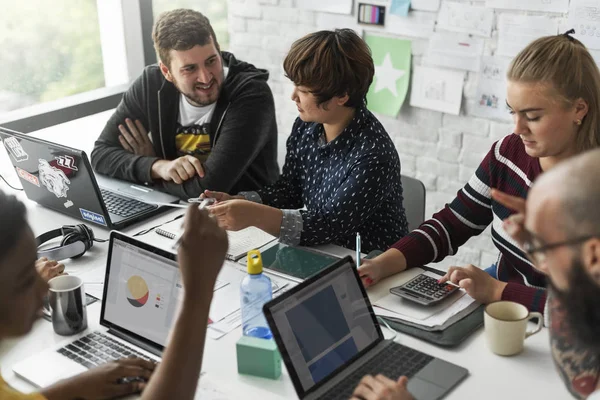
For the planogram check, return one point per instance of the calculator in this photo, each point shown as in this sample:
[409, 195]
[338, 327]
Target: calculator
[424, 289]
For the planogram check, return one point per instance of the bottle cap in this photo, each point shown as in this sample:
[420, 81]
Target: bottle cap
[254, 262]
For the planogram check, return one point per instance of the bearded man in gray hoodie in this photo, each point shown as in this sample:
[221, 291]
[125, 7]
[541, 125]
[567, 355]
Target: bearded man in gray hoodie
[199, 119]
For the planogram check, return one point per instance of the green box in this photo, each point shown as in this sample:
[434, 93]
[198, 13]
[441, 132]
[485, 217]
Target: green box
[258, 357]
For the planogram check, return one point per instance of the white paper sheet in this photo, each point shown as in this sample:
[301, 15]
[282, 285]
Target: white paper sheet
[455, 50]
[232, 321]
[244, 240]
[330, 6]
[584, 17]
[556, 6]
[326, 21]
[417, 24]
[517, 31]
[465, 18]
[415, 311]
[425, 5]
[491, 89]
[437, 89]
[436, 319]
[596, 55]
[208, 389]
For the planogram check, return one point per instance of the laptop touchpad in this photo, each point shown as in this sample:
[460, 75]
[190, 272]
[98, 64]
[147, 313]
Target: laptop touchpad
[423, 390]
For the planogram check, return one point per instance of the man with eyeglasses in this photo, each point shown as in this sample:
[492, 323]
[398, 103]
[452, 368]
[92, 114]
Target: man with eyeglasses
[558, 227]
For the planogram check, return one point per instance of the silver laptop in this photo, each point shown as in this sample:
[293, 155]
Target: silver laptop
[328, 337]
[61, 178]
[140, 302]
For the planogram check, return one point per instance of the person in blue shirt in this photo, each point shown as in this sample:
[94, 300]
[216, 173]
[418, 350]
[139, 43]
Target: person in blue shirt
[342, 172]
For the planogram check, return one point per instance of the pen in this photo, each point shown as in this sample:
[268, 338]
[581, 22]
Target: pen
[357, 249]
[203, 204]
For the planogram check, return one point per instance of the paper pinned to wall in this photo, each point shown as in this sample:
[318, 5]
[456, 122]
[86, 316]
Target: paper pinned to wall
[490, 98]
[596, 55]
[400, 7]
[425, 5]
[517, 31]
[330, 6]
[392, 59]
[584, 17]
[416, 24]
[455, 50]
[556, 6]
[465, 18]
[326, 21]
[437, 89]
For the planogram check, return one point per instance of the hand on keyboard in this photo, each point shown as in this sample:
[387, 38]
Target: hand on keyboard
[382, 388]
[112, 379]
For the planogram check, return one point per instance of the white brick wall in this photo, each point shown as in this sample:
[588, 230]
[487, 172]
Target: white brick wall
[441, 150]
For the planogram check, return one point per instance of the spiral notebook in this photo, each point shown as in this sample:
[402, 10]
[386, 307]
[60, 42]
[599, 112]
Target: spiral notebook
[240, 242]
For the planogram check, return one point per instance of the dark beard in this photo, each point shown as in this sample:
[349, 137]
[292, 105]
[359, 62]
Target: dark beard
[581, 303]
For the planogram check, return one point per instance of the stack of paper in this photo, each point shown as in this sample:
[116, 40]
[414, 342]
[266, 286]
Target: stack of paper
[240, 242]
[432, 318]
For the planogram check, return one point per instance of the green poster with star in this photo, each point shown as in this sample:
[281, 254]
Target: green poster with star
[391, 57]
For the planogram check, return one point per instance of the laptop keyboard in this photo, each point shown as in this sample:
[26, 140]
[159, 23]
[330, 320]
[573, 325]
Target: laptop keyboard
[97, 348]
[394, 361]
[123, 206]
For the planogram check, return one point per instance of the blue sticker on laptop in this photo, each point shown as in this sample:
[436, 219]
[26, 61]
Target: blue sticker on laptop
[92, 217]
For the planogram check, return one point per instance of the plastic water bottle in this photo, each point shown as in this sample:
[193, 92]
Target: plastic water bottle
[255, 291]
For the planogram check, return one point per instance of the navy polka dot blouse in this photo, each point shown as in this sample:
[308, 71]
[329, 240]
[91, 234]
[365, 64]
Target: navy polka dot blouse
[349, 185]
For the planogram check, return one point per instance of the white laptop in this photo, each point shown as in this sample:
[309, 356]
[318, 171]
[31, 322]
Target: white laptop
[135, 324]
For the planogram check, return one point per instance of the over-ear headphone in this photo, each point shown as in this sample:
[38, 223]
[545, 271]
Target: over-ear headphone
[77, 239]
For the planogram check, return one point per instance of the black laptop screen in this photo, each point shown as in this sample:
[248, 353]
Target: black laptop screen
[324, 325]
[142, 293]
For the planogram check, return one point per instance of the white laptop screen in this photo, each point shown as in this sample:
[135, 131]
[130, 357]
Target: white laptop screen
[143, 293]
[324, 325]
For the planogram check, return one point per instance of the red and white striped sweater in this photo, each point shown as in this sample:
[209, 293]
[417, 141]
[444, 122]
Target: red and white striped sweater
[508, 168]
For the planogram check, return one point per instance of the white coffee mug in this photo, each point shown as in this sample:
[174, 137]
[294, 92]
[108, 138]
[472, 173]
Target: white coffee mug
[506, 326]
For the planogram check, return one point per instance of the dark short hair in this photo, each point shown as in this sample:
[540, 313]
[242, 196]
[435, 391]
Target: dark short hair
[181, 29]
[331, 63]
[13, 221]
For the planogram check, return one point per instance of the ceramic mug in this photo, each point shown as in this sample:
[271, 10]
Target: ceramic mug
[506, 326]
[67, 302]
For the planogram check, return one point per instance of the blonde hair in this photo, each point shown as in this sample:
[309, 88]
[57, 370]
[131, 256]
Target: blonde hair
[564, 63]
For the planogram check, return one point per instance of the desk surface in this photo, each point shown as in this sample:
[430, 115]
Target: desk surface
[528, 375]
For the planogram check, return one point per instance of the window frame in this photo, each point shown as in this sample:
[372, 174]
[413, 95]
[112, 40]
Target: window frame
[136, 20]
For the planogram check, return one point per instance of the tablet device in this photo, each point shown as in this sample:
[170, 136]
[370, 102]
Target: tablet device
[294, 262]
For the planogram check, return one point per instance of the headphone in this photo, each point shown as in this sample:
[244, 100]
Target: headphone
[77, 239]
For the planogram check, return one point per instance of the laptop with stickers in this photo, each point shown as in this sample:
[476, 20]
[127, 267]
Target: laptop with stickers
[61, 178]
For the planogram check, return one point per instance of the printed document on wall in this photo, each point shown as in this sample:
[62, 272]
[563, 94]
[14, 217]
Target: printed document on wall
[425, 5]
[326, 21]
[416, 24]
[461, 17]
[515, 32]
[596, 55]
[490, 100]
[331, 6]
[437, 89]
[455, 50]
[556, 6]
[584, 17]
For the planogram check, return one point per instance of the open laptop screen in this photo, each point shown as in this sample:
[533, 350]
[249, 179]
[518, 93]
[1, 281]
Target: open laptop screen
[143, 290]
[324, 325]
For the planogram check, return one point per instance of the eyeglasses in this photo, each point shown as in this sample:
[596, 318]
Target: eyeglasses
[538, 253]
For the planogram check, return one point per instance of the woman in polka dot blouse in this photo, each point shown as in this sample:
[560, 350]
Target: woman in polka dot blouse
[342, 172]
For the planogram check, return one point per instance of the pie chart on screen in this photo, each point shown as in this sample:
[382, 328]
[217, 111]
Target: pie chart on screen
[137, 291]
